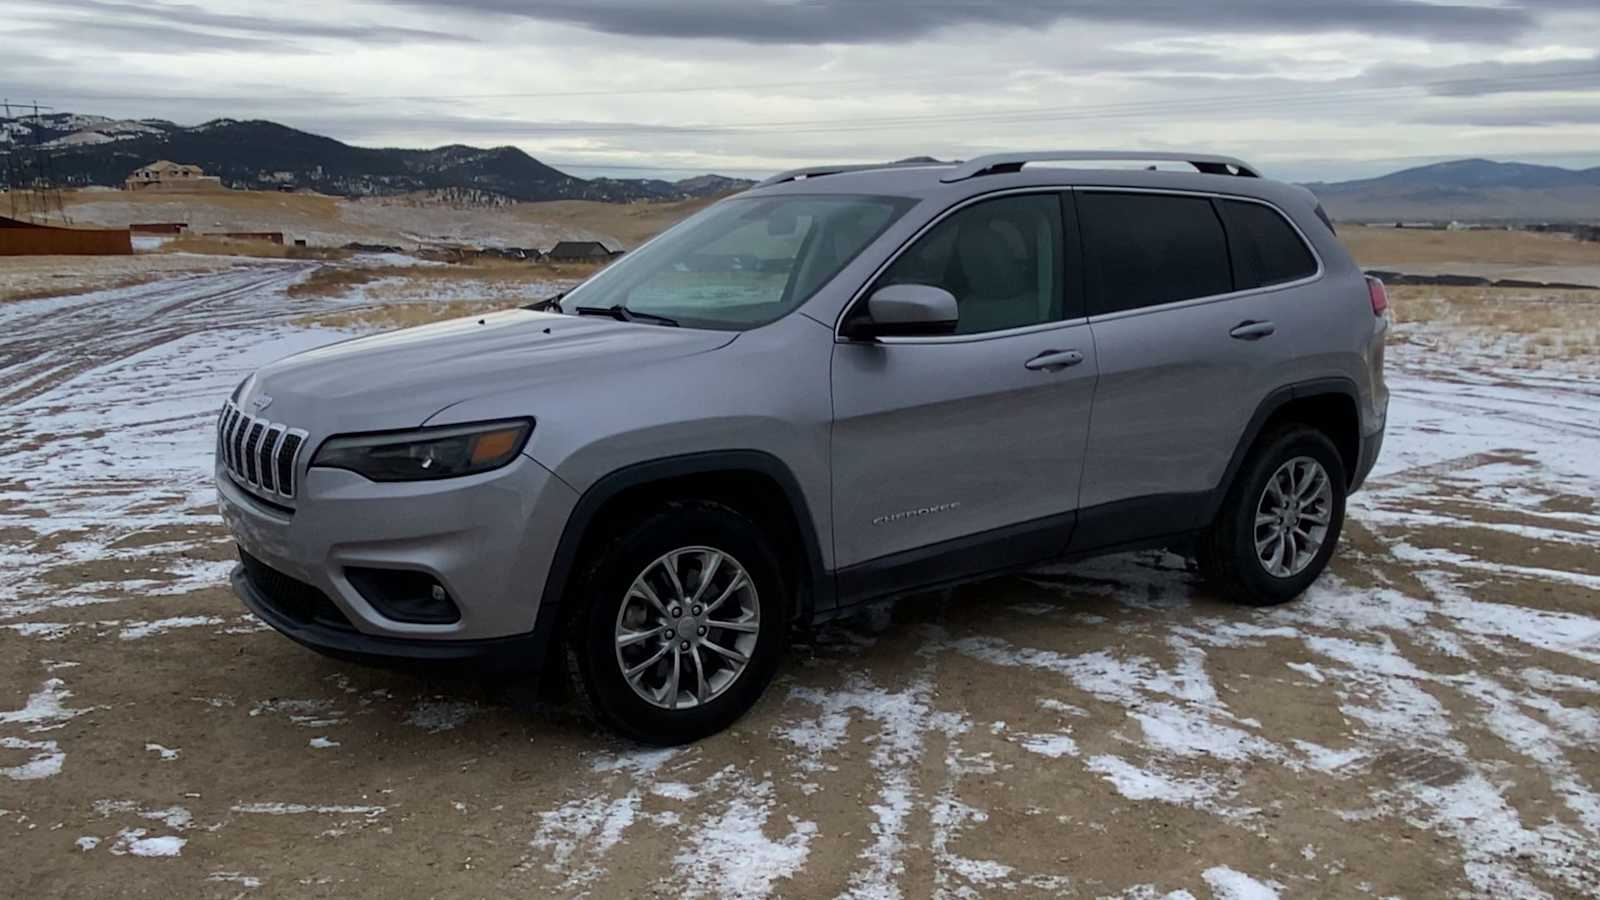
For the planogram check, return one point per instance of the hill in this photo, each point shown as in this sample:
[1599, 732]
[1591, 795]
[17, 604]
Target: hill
[1468, 190]
[94, 150]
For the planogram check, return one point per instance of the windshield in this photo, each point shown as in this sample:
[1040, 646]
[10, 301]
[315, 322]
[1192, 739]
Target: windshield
[741, 263]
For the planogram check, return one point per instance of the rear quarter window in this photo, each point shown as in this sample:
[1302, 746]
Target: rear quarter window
[1266, 248]
[1148, 249]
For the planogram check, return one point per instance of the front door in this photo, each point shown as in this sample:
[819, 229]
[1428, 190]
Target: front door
[958, 454]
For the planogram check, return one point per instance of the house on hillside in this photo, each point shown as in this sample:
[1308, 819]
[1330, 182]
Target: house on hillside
[162, 175]
[581, 251]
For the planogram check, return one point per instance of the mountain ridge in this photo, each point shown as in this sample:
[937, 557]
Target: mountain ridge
[85, 150]
[1468, 190]
[261, 154]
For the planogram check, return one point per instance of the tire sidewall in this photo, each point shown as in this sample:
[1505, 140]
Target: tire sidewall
[1264, 587]
[592, 641]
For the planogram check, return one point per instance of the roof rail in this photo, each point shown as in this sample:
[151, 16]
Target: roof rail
[819, 171]
[996, 163]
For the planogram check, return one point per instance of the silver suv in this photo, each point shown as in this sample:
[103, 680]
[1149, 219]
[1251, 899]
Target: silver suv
[844, 384]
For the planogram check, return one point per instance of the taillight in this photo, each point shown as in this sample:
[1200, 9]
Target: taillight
[1378, 295]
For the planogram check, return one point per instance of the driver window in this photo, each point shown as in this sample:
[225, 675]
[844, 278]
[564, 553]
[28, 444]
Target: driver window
[1002, 259]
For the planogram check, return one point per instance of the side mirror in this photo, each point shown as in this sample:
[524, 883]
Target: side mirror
[904, 310]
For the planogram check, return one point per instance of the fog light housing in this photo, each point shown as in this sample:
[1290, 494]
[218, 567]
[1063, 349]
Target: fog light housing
[405, 595]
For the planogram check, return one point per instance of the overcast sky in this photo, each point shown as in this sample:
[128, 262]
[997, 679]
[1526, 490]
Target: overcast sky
[1307, 90]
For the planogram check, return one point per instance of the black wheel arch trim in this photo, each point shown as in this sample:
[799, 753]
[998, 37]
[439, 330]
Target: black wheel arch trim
[815, 596]
[1270, 404]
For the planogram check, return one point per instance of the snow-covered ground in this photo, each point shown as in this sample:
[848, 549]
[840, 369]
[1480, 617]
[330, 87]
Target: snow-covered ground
[1425, 722]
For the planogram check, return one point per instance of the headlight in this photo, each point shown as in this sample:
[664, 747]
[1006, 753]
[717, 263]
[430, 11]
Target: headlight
[426, 453]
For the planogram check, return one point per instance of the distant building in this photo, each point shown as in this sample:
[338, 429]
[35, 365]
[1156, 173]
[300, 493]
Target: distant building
[162, 175]
[581, 251]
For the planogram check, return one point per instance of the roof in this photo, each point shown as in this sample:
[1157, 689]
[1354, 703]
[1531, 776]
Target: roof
[167, 165]
[995, 163]
[951, 182]
[579, 246]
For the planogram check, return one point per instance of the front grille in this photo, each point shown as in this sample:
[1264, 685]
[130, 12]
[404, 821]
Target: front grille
[257, 453]
[290, 597]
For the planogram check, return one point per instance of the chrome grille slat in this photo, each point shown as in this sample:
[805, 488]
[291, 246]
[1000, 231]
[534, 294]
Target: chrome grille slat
[292, 442]
[259, 454]
[228, 427]
[236, 444]
[266, 458]
[252, 438]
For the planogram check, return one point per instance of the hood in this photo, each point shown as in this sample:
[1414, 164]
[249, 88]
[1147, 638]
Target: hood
[400, 378]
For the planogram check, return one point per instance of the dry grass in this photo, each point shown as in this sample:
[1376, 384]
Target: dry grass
[633, 223]
[332, 281]
[400, 315]
[334, 221]
[155, 206]
[1536, 323]
[214, 245]
[1376, 246]
[492, 275]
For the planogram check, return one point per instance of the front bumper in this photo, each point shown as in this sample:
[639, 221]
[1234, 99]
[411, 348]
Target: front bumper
[522, 651]
[487, 540]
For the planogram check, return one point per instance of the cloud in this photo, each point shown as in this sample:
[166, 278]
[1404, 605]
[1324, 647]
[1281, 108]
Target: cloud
[1480, 79]
[159, 25]
[1517, 117]
[878, 21]
[138, 37]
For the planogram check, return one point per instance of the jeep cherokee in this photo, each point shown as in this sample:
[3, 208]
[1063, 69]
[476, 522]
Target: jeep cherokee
[844, 384]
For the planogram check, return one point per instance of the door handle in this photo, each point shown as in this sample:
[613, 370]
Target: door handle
[1250, 330]
[1053, 360]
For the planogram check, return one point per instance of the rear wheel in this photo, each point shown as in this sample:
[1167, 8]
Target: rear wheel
[1281, 520]
[682, 622]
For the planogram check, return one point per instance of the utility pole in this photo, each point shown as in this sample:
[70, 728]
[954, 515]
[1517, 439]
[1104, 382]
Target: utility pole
[29, 173]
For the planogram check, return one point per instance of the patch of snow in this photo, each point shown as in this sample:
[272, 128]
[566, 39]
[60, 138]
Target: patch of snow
[248, 882]
[1229, 884]
[639, 763]
[295, 809]
[136, 630]
[730, 855]
[133, 841]
[1054, 746]
[43, 764]
[166, 753]
[584, 830]
[45, 709]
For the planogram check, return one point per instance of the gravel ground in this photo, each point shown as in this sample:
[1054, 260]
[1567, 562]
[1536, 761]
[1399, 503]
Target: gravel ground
[1425, 722]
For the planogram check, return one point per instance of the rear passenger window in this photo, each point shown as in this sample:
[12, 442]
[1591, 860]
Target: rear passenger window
[1002, 259]
[1147, 249]
[1266, 248]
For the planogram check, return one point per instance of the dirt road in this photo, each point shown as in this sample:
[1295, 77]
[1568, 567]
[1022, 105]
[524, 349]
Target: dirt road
[1424, 723]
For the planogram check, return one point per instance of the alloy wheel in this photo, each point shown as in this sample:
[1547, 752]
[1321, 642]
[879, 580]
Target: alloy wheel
[687, 627]
[1292, 517]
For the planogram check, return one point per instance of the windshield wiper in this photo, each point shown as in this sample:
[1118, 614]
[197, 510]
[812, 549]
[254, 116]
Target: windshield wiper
[548, 304]
[623, 314]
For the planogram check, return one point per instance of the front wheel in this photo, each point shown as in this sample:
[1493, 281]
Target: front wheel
[1280, 521]
[682, 622]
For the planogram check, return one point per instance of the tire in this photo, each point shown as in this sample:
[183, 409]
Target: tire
[1228, 553]
[627, 592]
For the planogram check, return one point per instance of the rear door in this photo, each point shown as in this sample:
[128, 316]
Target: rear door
[1189, 340]
[965, 436]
